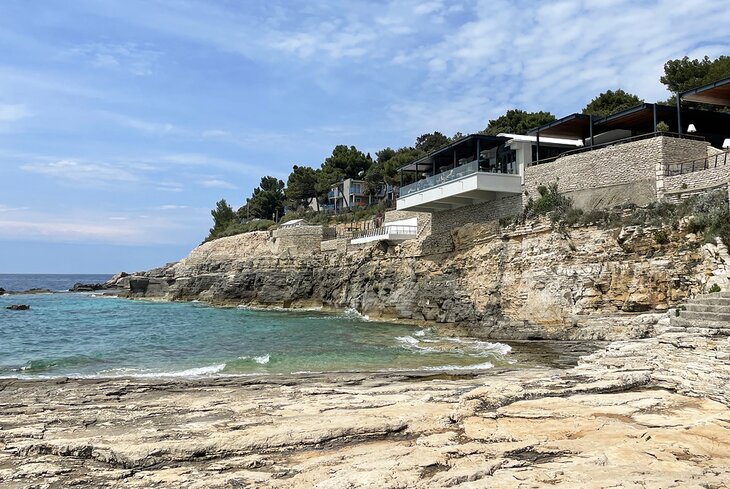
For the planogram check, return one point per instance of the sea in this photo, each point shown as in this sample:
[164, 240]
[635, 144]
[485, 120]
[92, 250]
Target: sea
[67, 334]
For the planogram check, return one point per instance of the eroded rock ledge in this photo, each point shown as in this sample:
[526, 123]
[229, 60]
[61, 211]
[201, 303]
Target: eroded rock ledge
[479, 280]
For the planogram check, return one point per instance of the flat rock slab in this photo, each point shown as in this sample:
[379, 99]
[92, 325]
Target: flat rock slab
[530, 428]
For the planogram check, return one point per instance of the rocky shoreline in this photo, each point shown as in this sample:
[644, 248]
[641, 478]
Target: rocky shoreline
[639, 413]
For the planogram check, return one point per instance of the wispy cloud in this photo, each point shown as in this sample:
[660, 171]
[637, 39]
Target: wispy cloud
[8, 209]
[13, 112]
[130, 57]
[172, 207]
[78, 172]
[149, 127]
[217, 183]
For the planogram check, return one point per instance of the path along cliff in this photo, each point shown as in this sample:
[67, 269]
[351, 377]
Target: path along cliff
[532, 281]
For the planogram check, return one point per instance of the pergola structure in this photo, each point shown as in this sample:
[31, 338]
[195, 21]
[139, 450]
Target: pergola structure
[643, 119]
[715, 93]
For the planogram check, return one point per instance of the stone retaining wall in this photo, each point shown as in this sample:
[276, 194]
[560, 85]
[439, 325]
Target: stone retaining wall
[446, 221]
[338, 245]
[633, 171]
[712, 177]
[298, 240]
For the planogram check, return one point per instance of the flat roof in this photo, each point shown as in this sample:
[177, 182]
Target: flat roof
[573, 126]
[715, 93]
[464, 148]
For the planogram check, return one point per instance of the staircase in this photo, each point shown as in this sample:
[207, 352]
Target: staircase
[707, 311]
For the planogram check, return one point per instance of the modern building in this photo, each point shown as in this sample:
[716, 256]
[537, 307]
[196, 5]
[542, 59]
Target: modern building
[475, 169]
[489, 169]
[349, 193]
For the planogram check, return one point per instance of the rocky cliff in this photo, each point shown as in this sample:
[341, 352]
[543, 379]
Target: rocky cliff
[520, 282]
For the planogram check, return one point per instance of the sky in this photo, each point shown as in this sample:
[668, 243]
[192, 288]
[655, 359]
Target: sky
[123, 123]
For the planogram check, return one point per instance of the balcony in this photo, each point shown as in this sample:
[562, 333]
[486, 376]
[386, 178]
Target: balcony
[389, 232]
[471, 183]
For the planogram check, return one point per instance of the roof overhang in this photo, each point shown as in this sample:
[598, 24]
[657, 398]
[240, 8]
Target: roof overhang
[573, 126]
[546, 140]
[463, 148]
[716, 93]
[638, 119]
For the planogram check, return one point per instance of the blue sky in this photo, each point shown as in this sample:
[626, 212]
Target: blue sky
[122, 123]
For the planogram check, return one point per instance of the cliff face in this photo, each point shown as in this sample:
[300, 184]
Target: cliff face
[522, 283]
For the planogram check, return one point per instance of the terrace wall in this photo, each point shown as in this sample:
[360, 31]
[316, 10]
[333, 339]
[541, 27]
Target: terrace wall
[614, 175]
[299, 240]
[445, 221]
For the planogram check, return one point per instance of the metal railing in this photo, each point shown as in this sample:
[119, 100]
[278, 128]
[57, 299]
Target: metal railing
[689, 166]
[617, 142]
[386, 231]
[472, 167]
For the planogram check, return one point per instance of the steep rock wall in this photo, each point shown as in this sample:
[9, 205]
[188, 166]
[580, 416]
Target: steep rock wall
[524, 283]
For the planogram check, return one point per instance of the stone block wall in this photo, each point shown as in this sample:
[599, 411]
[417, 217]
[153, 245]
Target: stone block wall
[624, 173]
[338, 245]
[299, 240]
[446, 221]
[710, 178]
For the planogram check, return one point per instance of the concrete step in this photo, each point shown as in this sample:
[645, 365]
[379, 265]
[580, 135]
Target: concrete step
[722, 308]
[707, 316]
[709, 300]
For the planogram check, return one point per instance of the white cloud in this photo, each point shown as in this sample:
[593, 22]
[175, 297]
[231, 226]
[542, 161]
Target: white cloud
[13, 112]
[149, 127]
[170, 186]
[217, 183]
[78, 172]
[129, 57]
[8, 209]
[172, 207]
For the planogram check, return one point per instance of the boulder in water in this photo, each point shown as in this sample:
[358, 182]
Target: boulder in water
[18, 307]
[2, 291]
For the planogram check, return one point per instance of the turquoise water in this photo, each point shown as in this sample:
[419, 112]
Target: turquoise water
[87, 335]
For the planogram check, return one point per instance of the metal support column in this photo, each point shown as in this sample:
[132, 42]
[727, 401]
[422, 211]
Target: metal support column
[478, 151]
[653, 109]
[590, 122]
[538, 147]
[679, 114]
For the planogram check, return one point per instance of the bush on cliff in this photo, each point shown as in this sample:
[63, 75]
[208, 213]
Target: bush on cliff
[234, 228]
[553, 204]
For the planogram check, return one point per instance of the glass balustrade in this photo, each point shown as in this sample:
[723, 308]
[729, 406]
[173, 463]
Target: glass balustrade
[456, 173]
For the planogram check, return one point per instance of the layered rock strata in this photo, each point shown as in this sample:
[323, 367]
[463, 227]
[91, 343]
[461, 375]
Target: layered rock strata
[527, 282]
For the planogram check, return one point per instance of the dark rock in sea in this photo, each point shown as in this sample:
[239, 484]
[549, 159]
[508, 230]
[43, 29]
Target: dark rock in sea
[29, 291]
[79, 287]
[2, 291]
[138, 285]
[18, 307]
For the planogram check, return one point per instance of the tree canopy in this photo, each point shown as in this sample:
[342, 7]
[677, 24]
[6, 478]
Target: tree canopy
[301, 186]
[431, 141]
[517, 121]
[223, 216]
[611, 102]
[267, 200]
[685, 74]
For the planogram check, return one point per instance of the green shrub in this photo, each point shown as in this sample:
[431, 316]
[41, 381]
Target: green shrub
[661, 237]
[662, 126]
[715, 288]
